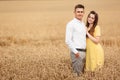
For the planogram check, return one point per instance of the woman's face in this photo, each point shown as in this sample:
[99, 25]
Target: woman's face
[91, 18]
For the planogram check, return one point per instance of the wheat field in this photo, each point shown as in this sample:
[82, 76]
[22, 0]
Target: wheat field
[32, 39]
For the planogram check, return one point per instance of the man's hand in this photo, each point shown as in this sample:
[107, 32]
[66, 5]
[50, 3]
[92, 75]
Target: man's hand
[77, 55]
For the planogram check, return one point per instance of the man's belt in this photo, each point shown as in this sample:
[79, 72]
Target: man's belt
[84, 50]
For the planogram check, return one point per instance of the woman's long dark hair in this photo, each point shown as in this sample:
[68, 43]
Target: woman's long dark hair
[91, 31]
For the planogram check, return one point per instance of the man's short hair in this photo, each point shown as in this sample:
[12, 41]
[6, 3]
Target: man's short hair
[79, 6]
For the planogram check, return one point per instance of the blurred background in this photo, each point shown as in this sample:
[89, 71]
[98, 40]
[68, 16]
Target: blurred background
[32, 34]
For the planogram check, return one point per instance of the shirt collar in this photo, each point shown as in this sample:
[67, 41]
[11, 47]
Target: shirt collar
[77, 20]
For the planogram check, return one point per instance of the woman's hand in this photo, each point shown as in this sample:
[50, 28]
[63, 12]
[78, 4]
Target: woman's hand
[87, 31]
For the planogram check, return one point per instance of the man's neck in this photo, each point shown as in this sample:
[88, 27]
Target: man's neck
[78, 19]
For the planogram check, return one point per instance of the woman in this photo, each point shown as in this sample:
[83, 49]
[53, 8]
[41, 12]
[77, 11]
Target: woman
[94, 54]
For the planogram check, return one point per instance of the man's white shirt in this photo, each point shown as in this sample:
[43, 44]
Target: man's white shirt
[76, 35]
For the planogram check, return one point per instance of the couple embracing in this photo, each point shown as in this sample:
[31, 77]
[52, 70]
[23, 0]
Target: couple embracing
[83, 42]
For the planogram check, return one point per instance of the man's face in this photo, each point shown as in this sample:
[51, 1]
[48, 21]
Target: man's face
[79, 12]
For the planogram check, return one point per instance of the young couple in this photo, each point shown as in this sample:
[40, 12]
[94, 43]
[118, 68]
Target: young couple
[83, 41]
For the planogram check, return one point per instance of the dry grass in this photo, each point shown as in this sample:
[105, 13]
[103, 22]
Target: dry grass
[32, 43]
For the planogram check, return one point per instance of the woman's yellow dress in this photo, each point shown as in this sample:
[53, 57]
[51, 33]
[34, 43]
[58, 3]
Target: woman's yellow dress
[94, 53]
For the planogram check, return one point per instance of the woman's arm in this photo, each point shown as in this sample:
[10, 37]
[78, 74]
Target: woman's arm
[94, 39]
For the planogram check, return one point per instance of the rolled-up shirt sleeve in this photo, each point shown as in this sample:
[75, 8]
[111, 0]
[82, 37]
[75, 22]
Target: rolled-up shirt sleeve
[68, 38]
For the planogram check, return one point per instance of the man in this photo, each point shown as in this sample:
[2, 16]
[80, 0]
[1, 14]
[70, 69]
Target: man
[76, 40]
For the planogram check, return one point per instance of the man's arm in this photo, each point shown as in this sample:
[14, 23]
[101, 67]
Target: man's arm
[68, 38]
